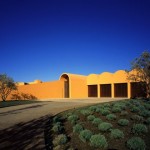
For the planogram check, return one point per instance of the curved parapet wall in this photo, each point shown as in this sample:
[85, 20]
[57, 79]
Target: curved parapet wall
[119, 76]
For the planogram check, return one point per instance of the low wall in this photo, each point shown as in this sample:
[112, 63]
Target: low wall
[43, 90]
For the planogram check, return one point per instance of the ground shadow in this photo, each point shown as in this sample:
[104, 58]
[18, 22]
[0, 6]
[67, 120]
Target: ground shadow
[25, 136]
[18, 110]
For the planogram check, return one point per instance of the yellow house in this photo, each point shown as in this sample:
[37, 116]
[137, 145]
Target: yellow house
[79, 86]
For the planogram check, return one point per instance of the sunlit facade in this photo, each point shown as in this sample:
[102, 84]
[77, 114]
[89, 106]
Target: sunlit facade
[112, 85]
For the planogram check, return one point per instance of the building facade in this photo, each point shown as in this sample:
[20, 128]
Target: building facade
[112, 85]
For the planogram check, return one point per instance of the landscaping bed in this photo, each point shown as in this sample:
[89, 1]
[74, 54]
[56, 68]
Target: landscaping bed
[115, 125]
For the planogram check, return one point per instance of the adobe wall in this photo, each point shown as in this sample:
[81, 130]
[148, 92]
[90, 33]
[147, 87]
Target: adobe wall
[78, 87]
[43, 90]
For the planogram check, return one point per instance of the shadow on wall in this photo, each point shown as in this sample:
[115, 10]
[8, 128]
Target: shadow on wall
[23, 96]
[25, 136]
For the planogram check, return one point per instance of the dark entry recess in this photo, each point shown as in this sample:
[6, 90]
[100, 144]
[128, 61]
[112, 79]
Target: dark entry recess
[92, 90]
[105, 90]
[66, 89]
[138, 89]
[120, 90]
[65, 79]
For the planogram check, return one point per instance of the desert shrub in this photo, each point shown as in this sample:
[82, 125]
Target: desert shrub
[58, 147]
[117, 134]
[57, 128]
[90, 117]
[73, 118]
[93, 108]
[86, 112]
[107, 105]
[148, 121]
[134, 109]
[144, 113]
[111, 117]
[136, 143]
[77, 128]
[98, 141]
[135, 102]
[123, 113]
[123, 122]
[105, 111]
[66, 115]
[121, 105]
[141, 107]
[137, 118]
[60, 140]
[105, 126]
[139, 128]
[56, 119]
[98, 109]
[97, 121]
[85, 135]
[147, 106]
[116, 109]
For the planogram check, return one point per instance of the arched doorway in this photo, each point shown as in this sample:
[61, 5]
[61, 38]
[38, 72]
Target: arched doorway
[65, 78]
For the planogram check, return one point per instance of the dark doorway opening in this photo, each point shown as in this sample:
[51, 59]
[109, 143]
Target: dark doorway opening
[138, 89]
[105, 90]
[120, 90]
[92, 90]
[65, 78]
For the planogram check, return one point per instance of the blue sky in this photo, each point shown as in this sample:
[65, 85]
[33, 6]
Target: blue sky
[41, 39]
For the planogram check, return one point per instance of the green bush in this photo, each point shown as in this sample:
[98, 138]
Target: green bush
[135, 102]
[105, 126]
[58, 147]
[144, 113]
[139, 128]
[73, 118]
[141, 107]
[136, 143]
[117, 134]
[98, 109]
[86, 112]
[85, 135]
[120, 105]
[97, 121]
[90, 117]
[116, 109]
[77, 128]
[57, 128]
[148, 121]
[137, 118]
[105, 112]
[123, 113]
[60, 140]
[56, 119]
[147, 106]
[111, 117]
[93, 108]
[134, 109]
[98, 141]
[107, 105]
[123, 122]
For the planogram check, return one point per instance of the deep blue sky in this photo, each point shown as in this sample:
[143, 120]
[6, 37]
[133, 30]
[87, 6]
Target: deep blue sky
[41, 39]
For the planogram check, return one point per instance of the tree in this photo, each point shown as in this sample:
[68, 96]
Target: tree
[140, 71]
[7, 85]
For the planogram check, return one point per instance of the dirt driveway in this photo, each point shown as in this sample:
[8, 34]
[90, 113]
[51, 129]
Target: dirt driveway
[23, 127]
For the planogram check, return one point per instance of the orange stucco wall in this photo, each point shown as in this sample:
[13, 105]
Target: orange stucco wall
[78, 85]
[43, 90]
